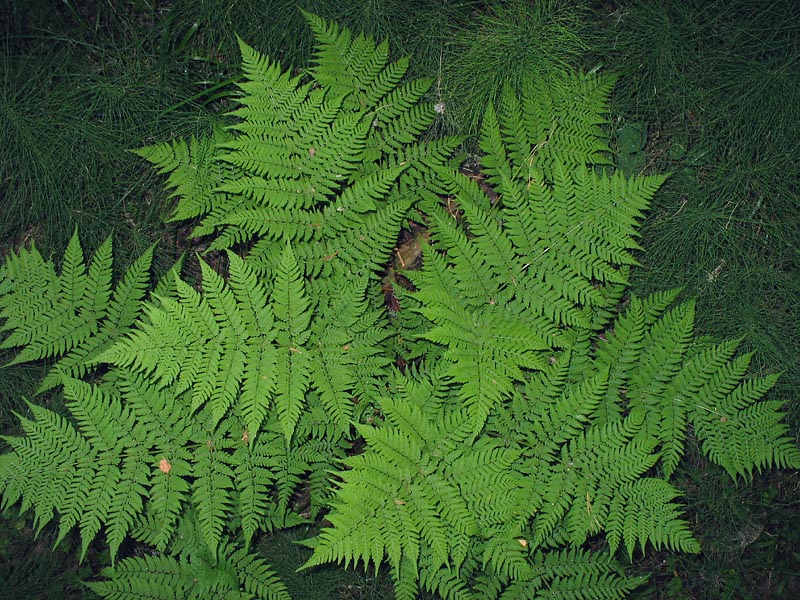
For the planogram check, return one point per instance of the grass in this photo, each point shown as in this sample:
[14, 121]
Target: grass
[709, 91]
[33, 570]
[717, 84]
[715, 80]
[503, 44]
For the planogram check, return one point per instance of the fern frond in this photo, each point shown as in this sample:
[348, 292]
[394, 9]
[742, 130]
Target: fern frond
[121, 311]
[253, 467]
[292, 317]
[489, 346]
[167, 426]
[574, 573]
[681, 395]
[739, 431]
[356, 69]
[585, 476]
[473, 278]
[98, 477]
[147, 578]
[404, 128]
[399, 100]
[563, 409]
[236, 574]
[664, 347]
[50, 468]
[69, 309]
[271, 94]
[642, 513]
[194, 171]
[349, 338]
[219, 344]
[421, 495]
[158, 345]
[120, 459]
[366, 248]
[257, 577]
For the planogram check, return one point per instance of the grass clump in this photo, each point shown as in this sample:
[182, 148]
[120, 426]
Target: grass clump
[505, 43]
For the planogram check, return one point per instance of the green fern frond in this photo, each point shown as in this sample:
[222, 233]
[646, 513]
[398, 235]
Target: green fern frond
[564, 229]
[489, 346]
[98, 477]
[253, 462]
[363, 250]
[309, 159]
[585, 476]
[194, 171]
[121, 311]
[418, 495]
[350, 337]
[219, 344]
[739, 431]
[257, 577]
[676, 382]
[475, 281]
[574, 573]
[664, 347]
[642, 513]
[164, 422]
[147, 577]
[270, 96]
[682, 394]
[158, 345]
[236, 574]
[69, 309]
[352, 68]
[121, 459]
[562, 410]
[403, 98]
[552, 121]
[292, 317]
[47, 467]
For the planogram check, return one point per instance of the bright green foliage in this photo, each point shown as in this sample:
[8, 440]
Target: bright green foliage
[426, 494]
[521, 291]
[673, 380]
[227, 344]
[539, 407]
[235, 574]
[332, 163]
[73, 315]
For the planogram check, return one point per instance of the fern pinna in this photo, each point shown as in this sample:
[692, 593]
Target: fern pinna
[524, 448]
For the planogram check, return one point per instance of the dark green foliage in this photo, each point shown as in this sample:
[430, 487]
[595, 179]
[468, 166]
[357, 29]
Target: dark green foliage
[714, 82]
[509, 43]
[529, 439]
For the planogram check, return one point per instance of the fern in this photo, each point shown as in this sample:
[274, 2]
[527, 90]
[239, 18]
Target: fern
[422, 496]
[235, 574]
[513, 407]
[331, 164]
[73, 316]
[97, 476]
